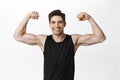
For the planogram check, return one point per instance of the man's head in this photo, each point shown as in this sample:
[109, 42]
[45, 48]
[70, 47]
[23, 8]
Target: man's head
[57, 22]
[56, 13]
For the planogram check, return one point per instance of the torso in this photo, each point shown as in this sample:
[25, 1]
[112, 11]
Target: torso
[58, 59]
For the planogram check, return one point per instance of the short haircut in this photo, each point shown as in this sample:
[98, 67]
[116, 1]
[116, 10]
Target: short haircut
[56, 13]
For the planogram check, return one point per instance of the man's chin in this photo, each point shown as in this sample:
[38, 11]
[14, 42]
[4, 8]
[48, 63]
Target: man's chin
[57, 34]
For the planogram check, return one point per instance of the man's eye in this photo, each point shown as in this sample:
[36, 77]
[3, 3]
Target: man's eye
[60, 21]
[53, 22]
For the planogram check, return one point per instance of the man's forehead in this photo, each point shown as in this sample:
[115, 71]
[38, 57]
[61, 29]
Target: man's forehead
[56, 18]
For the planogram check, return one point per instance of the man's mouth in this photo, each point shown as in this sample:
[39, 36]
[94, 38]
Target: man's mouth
[57, 29]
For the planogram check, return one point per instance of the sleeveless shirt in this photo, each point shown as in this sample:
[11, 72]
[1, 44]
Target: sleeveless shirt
[59, 59]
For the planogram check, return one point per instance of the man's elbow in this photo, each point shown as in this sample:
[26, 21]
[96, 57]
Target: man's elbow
[101, 39]
[17, 38]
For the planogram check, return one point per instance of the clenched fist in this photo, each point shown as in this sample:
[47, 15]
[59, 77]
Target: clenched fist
[34, 15]
[83, 16]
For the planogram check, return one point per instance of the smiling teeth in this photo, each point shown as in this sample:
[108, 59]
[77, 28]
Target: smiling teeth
[56, 29]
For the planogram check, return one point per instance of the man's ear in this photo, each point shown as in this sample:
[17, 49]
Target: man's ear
[49, 24]
[65, 24]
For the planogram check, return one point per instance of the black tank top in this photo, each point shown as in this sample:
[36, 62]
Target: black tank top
[59, 59]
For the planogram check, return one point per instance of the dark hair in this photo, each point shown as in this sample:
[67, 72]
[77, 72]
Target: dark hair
[56, 12]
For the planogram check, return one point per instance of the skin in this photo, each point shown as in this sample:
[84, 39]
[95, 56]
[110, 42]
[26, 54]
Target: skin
[57, 25]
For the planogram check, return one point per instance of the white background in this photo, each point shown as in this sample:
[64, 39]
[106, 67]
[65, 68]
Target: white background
[19, 61]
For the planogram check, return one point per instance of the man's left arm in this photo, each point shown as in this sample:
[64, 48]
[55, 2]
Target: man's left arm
[97, 35]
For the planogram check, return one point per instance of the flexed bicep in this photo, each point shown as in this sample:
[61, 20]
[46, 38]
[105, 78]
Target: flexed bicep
[30, 39]
[88, 39]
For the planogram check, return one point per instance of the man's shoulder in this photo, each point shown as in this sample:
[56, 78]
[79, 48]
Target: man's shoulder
[42, 37]
[75, 36]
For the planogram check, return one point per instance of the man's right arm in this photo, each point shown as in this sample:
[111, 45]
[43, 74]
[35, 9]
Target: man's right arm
[28, 38]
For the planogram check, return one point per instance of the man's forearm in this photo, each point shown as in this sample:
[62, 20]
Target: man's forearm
[97, 31]
[22, 27]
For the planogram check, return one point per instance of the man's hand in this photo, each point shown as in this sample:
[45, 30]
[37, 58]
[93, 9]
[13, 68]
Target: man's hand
[83, 16]
[33, 15]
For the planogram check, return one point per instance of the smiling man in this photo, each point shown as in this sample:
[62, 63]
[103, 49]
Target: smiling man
[59, 48]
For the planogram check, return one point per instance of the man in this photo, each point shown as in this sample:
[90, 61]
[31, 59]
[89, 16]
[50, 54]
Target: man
[59, 48]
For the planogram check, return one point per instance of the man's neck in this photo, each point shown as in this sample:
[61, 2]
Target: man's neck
[59, 38]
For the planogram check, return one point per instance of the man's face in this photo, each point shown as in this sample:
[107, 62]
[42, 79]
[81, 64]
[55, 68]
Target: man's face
[57, 25]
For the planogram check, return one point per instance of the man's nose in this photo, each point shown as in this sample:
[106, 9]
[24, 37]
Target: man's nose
[56, 25]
